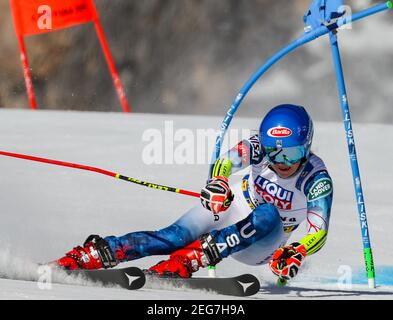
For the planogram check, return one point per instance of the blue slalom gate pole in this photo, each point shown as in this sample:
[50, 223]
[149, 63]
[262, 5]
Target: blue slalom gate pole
[368, 255]
[309, 36]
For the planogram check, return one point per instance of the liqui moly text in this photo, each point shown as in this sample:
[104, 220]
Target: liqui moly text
[274, 194]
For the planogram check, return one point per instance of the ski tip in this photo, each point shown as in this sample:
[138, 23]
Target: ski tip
[389, 4]
[247, 285]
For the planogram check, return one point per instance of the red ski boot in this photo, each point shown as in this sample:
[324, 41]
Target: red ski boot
[184, 262]
[95, 254]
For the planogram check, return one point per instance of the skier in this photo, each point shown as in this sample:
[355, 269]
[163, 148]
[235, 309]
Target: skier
[250, 221]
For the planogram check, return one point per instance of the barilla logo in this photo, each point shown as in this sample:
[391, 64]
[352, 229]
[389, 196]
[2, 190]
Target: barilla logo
[279, 132]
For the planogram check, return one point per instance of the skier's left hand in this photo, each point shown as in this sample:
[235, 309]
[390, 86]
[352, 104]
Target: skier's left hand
[286, 261]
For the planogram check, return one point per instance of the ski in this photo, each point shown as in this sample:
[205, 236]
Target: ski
[131, 278]
[241, 286]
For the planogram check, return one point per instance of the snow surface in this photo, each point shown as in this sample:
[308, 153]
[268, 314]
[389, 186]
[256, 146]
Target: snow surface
[46, 210]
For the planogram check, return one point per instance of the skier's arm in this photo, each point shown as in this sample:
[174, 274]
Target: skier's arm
[244, 154]
[319, 192]
[217, 196]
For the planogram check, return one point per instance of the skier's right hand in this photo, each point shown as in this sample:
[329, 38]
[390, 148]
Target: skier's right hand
[95, 254]
[217, 195]
[287, 260]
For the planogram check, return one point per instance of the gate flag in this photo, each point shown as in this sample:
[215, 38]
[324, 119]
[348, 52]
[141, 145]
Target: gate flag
[34, 17]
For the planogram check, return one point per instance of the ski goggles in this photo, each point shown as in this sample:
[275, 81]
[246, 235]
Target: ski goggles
[288, 156]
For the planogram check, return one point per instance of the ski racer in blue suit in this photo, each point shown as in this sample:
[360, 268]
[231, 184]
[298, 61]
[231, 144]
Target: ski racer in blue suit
[286, 185]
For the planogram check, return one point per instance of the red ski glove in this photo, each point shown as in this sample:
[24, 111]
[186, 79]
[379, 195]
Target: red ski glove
[286, 261]
[217, 195]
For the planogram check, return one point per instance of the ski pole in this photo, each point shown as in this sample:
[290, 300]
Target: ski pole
[101, 171]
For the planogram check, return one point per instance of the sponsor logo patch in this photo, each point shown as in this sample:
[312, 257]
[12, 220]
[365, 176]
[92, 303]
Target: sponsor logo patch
[273, 193]
[320, 189]
[278, 132]
[255, 150]
[243, 152]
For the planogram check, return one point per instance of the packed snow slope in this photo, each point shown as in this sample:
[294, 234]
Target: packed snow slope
[46, 209]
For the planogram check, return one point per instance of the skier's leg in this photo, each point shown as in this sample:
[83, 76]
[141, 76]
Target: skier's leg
[112, 250]
[188, 228]
[184, 231]
[253, 240]
[262, 227]
[97, 252]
